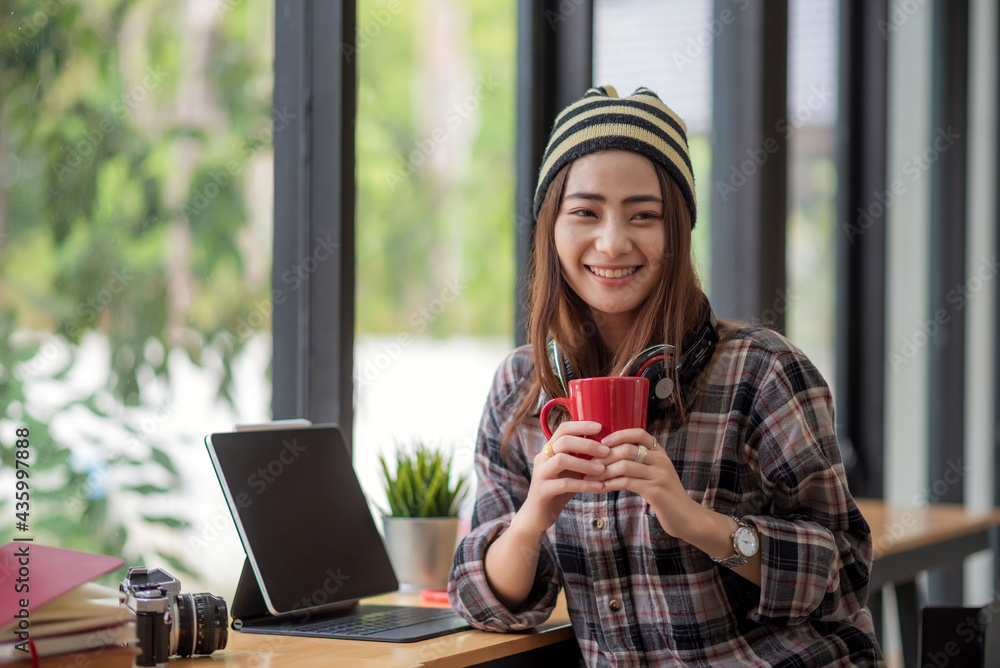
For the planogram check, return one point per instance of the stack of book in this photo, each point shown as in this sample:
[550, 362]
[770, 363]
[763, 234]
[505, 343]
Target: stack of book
[52, 613]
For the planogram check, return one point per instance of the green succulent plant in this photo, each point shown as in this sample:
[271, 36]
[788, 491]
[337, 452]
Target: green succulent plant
[421, 486]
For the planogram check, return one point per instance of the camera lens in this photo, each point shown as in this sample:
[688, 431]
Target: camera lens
[201, 624]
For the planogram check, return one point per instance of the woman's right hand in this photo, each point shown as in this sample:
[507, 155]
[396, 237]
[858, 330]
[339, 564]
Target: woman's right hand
[511, 560]
[558, 478]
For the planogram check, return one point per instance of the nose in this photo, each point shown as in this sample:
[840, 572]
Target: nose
[612, 238]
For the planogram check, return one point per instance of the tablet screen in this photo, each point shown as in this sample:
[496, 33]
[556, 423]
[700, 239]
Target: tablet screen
[302, 517]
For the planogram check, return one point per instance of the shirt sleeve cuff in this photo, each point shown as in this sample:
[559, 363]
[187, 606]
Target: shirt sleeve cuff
[799, 568]
[470, 593]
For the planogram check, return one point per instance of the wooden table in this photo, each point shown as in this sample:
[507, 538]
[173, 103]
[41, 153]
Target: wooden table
[908, 540]
[466, 648]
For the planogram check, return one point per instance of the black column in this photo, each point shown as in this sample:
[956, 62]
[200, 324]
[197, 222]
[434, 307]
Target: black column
[945, 328]
[554, 67]
[749, 158]
[313, 273]
[861, 216]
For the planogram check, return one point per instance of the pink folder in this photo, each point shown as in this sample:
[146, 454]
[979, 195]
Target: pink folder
[48, 573]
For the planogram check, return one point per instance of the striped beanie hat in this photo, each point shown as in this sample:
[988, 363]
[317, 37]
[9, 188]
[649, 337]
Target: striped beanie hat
[601, 121]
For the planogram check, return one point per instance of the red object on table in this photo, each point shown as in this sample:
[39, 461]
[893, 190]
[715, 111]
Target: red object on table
[435, 595]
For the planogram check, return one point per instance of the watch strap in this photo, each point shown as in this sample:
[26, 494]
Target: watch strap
[737, 558]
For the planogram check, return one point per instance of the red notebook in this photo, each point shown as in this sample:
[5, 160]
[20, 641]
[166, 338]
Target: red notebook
[54, 610]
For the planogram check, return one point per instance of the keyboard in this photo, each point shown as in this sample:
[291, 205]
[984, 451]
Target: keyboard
[376, 622]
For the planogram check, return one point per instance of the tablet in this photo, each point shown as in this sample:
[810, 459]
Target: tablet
[302, 517]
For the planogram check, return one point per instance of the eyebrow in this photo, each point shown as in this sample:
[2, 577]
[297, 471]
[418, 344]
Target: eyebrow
[628, 200]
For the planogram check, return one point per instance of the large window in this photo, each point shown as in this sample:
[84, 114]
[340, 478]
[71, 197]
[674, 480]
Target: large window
[435, 231]
[135, 254]
[812, 180]
[136, 173]
[666, 47]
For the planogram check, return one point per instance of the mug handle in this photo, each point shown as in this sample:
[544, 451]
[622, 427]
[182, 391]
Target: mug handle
[544, 417]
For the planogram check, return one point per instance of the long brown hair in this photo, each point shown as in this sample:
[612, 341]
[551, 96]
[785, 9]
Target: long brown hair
[669, 314]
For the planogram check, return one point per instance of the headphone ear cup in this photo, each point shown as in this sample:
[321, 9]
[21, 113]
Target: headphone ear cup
[661, 386]
[651, 365]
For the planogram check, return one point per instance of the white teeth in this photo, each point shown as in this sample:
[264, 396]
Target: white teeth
[613, 273]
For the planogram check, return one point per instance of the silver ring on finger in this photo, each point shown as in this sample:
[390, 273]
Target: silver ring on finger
[640, 456]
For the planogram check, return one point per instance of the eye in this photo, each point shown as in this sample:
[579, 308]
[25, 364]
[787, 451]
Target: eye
[586, 213]
[647, 215]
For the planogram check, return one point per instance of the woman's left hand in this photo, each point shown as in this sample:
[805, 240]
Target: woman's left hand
[652, 476]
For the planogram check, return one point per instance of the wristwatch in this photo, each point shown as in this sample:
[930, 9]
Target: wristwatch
[745, 545]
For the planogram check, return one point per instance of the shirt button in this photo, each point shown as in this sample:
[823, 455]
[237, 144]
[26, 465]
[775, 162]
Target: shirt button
[614, 605]
[598, 523]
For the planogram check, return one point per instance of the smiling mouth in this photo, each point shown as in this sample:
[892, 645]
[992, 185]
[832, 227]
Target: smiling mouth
[612, 273]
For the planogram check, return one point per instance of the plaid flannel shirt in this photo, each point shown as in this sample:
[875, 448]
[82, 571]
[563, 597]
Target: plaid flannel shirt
[759, 444]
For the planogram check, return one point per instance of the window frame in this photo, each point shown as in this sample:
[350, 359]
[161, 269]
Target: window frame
[314, 251]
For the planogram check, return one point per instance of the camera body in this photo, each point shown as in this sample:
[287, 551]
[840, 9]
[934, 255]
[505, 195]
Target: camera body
[169, 623]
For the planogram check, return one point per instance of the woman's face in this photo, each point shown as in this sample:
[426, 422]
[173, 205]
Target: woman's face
[609, 232]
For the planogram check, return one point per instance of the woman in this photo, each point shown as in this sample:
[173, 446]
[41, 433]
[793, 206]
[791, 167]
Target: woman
[724, 533]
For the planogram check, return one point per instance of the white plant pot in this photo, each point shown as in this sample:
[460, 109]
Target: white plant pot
[421, 549]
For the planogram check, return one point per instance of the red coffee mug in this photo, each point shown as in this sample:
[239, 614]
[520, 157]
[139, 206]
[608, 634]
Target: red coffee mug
[614, 402]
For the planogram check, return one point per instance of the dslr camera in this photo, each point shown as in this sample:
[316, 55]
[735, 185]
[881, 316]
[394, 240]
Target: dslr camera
[169, 623]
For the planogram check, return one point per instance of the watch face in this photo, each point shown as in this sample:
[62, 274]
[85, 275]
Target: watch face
[746, 541]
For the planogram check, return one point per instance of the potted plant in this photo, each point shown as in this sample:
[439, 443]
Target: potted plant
[421, 526]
